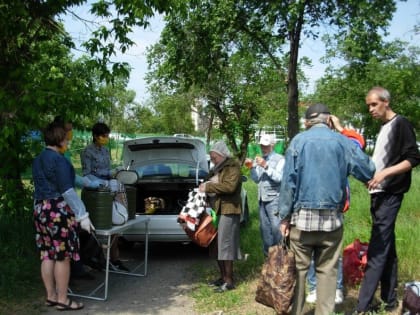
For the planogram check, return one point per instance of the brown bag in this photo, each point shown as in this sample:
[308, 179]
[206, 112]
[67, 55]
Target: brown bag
[411, 299]
[204, 232]
[278, 279]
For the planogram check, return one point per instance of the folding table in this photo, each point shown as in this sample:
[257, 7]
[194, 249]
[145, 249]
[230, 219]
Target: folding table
[108, 233]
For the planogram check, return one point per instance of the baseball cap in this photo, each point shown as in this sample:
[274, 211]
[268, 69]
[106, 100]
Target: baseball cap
[266, 140]
[316, 109]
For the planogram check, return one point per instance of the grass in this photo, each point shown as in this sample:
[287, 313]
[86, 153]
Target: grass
[357, 225]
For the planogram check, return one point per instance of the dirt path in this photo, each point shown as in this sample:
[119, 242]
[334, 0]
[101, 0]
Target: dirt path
[166, 290]
[163, 291]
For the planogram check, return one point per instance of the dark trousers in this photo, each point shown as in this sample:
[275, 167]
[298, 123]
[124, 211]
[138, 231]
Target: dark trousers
[382, 263]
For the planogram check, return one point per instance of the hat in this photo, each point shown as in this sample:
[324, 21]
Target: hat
[266, 140]
[314, 110]
[220, 148]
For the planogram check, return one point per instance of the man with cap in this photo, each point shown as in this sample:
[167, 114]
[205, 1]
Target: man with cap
[225, 182]
[267, 171]
[313, 194]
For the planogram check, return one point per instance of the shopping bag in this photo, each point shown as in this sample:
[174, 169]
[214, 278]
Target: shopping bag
[204, 232]
[278, 279]
[354, 262]
[195, 220]
[411, 298]
[191, 212]
[119, 213]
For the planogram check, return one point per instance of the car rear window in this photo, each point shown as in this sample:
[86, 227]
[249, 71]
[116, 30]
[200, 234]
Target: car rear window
[174, 170]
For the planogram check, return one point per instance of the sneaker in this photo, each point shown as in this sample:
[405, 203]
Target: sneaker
[224, 287]
[339, 296]
[311, 297]
[216, 283]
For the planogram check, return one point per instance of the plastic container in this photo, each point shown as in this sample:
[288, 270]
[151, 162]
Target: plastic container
[99, 205]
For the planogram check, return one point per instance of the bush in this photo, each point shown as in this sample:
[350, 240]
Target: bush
[19, 268]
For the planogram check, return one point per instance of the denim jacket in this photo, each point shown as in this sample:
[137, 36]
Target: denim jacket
[318, 162]
[269, 180]
[52, 174]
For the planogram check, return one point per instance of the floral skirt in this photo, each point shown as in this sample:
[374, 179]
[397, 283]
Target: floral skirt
[56, 230]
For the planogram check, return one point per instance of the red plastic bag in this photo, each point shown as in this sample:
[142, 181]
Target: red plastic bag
[354, 262]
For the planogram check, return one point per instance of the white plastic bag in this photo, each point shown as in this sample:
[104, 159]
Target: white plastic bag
[119, 213]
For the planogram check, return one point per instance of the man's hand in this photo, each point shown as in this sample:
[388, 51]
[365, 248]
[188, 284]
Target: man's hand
[336, 123]
[377, 179]
[285, 228]
[202, 187]
[260, 161]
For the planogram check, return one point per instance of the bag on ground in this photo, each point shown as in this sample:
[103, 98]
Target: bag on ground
[354, 262]
[278, 279]
[411, 298]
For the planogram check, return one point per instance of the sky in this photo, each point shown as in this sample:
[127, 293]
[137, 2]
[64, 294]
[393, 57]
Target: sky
[406, 16]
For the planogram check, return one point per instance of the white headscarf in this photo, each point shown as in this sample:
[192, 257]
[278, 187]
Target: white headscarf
[220, 148]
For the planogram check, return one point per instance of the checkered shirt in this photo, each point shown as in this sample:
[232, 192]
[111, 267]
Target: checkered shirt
[317, 220]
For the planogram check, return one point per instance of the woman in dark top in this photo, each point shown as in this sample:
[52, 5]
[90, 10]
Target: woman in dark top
[57, 213]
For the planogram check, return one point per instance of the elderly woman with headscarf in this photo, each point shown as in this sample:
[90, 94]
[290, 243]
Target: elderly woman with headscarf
[225, 184]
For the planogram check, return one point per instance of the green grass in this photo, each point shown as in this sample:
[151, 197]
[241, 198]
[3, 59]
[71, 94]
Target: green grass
[357, 225]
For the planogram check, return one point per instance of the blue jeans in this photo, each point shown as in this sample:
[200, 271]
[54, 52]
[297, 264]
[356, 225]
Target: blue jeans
[311, 277]
[269, 224]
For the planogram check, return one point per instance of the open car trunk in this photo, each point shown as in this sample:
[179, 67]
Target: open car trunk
[174, 195]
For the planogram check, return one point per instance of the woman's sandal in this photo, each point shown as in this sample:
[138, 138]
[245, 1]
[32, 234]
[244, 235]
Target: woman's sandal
[50, 303]
[68, 307]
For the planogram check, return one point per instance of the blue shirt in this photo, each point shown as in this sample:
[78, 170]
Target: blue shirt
[269, 179]
[318, 162]
[52, 174]
[96, 161]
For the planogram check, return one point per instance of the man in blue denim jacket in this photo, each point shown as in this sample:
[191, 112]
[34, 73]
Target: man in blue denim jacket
[267, 171]
[313, 193]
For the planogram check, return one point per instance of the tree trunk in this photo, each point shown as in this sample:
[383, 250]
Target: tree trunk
[292, 82]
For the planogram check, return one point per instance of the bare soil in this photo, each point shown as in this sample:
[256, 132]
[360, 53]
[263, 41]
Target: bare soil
[164, 290]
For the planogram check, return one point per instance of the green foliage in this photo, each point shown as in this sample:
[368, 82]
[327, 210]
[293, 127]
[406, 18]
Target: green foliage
[19, 268]
[225, 49]
[175, 113]
[109, 38]
[204, 53]
[40, 79]
[396, 67]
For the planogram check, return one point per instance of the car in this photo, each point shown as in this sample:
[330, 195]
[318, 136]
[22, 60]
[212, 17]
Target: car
[164, 169]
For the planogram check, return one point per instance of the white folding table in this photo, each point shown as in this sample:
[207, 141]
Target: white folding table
[115, 230]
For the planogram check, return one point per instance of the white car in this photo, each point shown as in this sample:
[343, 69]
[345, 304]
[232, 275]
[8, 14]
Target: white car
[166, 169]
